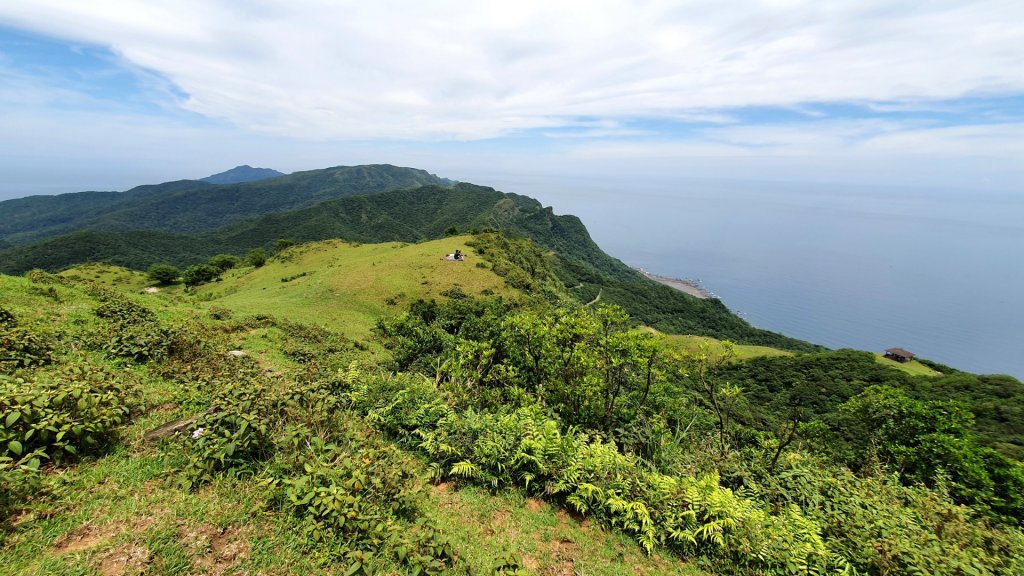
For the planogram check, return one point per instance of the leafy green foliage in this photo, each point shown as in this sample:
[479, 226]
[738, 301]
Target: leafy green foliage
[527, 449]
[69, 412]
[506, 371]
[256, 257]
[224, 262]
[124, 311]
[200, 274]
[917, 438]
[815, 385]
[163, 273]
[357, 495]
[20, 480]
[7, 319]
[884, 527]
[21, 347]
[231, 437]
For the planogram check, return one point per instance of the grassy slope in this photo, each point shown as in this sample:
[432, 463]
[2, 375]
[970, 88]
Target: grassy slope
[914, 368]
[122, 513]
[717, 348]
[348, 286]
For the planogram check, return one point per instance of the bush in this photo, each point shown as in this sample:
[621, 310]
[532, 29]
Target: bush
[232, 436]
[220, 313]
[143, 342]
[20, 481]
[256, 257]
[399, 405]
[125, 312]
[7, 319]
[359, 495]
[24, 348]
[65, 414]
[883, 527]
[690, 515]
[163, 273]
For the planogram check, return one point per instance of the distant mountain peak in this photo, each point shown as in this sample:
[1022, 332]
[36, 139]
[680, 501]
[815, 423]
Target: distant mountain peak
[243, 173]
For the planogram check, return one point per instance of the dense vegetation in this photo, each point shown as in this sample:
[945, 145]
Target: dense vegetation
[410, 216]
[193, 206]
[815, 463]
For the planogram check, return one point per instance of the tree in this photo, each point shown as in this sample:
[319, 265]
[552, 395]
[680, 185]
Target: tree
[256, 257]
[451, 231]
[199, 274]
[163, 273]
[223, 262]
[283, 243]
[721, 397]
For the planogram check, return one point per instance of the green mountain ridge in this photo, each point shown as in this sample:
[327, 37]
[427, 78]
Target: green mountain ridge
[191, 206]
[412, 215]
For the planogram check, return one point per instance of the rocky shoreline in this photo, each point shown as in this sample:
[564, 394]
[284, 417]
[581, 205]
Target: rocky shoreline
[691, 287]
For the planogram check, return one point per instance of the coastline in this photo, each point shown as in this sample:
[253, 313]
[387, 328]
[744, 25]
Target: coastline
[691, 287]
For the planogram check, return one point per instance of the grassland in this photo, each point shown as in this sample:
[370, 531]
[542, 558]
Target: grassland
[717, 348]
[914, 368]
[349, 286]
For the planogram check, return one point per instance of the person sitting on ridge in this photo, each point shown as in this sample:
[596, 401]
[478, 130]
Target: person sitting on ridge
[458, 254]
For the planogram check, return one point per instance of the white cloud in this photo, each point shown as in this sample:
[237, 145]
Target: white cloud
[468, 70]
[867, 153]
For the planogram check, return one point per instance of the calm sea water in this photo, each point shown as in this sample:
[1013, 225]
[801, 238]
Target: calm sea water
[939, 273]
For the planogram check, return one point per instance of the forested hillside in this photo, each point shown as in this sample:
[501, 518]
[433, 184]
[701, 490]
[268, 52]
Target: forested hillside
[192, 206]
[413, 215]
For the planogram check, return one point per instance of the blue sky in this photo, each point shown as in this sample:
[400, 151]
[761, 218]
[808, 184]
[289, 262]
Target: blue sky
[109, 94]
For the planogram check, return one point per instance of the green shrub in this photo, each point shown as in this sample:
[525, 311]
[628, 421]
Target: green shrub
[71, 412]
[883, 527]
[233, 436]
[400, 404]
[24, 348]
[256, 257]
[124, 311]
[220, 313]
[20, 480]
[360, 496]
[689, 515]
[143, 342]
[7, 319]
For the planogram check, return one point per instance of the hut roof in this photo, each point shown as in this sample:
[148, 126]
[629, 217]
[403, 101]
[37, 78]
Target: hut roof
[899, 352]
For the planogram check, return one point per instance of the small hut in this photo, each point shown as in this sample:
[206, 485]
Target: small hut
[899, 355]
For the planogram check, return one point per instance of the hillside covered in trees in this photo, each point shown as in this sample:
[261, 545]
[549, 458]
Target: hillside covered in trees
[408, 215]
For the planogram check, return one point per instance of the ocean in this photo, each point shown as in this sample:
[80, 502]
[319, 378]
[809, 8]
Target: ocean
[937, 272]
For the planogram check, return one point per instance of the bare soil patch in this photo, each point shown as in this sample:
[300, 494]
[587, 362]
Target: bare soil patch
[125, 560]
[85, 537]
[215, 551]
[534, 504]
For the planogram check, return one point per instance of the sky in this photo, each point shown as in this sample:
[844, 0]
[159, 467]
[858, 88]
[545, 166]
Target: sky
[109, 94]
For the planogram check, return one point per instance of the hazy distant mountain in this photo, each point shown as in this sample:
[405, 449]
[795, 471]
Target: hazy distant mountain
[194, 206]
[243, 173]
